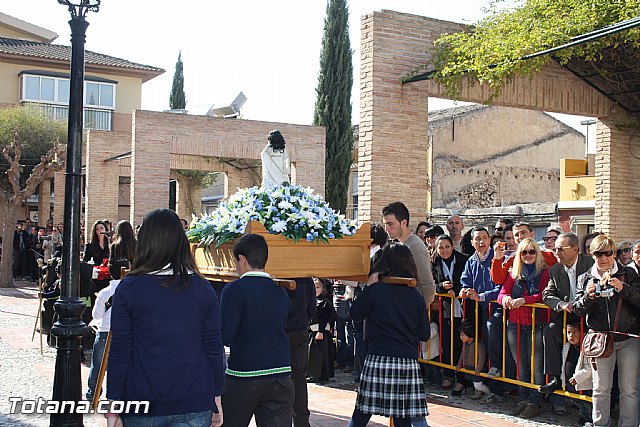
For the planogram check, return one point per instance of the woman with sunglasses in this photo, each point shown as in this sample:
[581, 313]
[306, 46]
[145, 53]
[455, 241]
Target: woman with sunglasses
[600, 308]
[529, 276]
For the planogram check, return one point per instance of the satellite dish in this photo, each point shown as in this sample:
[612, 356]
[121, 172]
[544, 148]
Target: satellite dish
[233, 110]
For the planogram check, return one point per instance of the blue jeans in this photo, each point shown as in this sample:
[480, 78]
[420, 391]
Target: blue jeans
[96, 360]
[524, 361]
[625, 353]
[195, 419]
[345, 332]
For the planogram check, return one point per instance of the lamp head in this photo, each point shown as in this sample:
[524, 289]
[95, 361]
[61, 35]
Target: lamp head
[79, 8]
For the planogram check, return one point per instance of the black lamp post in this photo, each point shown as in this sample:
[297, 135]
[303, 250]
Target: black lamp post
[69, 328]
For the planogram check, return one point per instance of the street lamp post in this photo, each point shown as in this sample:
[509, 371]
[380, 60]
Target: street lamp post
[587, 123]
[69, 328]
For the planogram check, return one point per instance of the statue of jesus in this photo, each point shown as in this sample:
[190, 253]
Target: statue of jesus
[275, 161]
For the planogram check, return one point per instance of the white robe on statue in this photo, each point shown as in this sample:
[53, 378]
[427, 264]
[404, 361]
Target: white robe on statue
[275, 167]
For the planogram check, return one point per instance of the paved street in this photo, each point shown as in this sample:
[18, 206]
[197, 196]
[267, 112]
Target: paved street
[26, 373]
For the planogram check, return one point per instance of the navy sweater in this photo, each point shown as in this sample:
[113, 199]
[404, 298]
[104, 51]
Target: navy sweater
[166, 345]
[254, 312]
[303, 305]
[396, 318]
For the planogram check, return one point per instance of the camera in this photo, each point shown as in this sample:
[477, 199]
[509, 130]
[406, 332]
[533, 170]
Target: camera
[603, 289]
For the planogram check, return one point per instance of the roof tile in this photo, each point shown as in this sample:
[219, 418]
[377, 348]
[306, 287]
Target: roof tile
[61, 52]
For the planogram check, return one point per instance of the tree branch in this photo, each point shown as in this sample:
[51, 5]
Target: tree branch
[13, 173]
[51, 162]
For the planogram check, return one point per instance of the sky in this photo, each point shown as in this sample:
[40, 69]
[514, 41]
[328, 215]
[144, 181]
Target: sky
[270, 50]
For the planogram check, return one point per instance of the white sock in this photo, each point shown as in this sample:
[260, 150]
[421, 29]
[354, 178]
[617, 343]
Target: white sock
[481, 386]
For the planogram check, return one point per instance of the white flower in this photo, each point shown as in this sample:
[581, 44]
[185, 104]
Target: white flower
[285, 205]
[344, 229]
[279, 226]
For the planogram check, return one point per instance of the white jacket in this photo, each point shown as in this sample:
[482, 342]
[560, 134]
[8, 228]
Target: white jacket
[583, 373]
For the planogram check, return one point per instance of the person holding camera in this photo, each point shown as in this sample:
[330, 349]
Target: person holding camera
[559, 296]
[609, 295]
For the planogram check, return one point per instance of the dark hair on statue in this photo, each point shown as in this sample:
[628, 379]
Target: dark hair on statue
[396, 260]
[276, 140]
[161, 242]
[254, 248]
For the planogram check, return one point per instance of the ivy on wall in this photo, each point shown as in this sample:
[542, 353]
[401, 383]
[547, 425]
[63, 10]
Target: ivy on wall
[491, 51]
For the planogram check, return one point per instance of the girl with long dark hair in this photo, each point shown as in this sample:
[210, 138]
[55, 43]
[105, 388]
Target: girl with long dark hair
[391, 383]
[166, 332]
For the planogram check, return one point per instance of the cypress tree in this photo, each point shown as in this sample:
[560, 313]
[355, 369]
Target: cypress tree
[177, 100]
[333, 102]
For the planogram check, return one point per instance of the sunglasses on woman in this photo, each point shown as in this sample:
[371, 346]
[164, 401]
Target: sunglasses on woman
[599, 254]
[528, 252]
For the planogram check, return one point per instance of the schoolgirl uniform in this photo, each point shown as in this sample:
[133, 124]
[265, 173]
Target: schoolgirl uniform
[391, 383]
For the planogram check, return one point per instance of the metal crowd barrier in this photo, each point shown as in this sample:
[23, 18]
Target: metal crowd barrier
[503, 378]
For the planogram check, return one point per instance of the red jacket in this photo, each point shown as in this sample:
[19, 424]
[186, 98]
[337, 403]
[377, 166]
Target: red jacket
[523, 314]
[500, 267]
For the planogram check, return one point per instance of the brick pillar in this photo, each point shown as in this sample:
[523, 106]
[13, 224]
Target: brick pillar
[617, 178]
[44, 202]
[58, 197]
[393, 142]
[236, 178]
[150, 163]
[102, 184]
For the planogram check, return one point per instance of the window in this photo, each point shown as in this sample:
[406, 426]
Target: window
[99, 94]
[55, 90]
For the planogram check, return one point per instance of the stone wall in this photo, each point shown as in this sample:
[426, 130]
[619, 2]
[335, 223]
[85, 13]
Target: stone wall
[498, 156]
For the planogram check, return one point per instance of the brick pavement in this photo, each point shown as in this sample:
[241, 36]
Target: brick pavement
[24, 372]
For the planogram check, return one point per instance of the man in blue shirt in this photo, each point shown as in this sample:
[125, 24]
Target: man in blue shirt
[254, 322]
[480, 291]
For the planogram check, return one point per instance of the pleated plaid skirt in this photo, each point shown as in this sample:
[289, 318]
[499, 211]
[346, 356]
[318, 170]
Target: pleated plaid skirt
[391, 386]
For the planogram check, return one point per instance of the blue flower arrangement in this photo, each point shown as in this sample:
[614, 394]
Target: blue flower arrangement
[291, 210]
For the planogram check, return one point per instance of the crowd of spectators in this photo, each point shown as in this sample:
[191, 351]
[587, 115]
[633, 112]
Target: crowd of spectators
[541, 288]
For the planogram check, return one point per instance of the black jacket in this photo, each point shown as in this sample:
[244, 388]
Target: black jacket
[559, 288]
[600, 310]
[439, 277]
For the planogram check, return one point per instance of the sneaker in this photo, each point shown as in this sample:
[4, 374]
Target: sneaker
[530, 411]
[494, 372]
[520, 406]
[477, 395]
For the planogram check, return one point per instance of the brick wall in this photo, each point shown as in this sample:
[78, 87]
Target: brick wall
[393, 149]
[164, 141]
[102, 183]
[617, 178]
[393, 145]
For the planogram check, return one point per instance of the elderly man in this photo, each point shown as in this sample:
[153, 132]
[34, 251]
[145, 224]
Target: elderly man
[559, 296]
[455, 225]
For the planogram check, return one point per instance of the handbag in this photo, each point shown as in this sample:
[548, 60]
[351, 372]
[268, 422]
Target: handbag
[598, 344]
